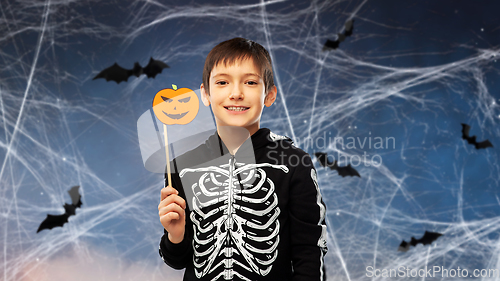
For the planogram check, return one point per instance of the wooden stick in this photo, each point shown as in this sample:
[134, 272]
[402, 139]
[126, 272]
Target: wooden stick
[168, 157]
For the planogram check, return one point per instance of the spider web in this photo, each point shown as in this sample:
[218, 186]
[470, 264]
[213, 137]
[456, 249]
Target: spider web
[393, 94]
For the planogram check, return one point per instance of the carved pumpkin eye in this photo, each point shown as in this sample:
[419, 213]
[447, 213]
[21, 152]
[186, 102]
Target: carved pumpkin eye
[184, 100]
[166, 99]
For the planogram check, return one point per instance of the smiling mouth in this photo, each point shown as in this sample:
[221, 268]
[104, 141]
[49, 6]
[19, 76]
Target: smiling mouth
[236, 108]
[175, 116]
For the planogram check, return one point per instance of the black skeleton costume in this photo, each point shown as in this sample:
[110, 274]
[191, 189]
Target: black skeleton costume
[249, 218]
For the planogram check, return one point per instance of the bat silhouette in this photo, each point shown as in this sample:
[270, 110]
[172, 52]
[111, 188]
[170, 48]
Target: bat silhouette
[472, 140]
[59, 220]
[343, 171]
[119, 74]
[427, 239]
[349, 26]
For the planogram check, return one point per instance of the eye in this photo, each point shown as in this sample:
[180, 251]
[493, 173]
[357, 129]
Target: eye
[221, 83]
[166, 99]
[184, 100]
[252, 83]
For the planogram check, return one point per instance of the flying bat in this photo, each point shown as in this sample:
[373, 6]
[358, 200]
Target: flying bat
[329, 44]
[427, 239]
[59, 220]
[349, 26]
[343, 171]
[472, 140]
[119, 74]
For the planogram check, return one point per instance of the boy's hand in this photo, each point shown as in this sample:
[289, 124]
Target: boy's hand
[172, 214]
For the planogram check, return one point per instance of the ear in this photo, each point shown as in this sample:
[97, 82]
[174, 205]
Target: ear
[271, 96]
[204, 96]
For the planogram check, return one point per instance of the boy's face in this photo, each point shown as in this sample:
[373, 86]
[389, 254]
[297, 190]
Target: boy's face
[237, 95]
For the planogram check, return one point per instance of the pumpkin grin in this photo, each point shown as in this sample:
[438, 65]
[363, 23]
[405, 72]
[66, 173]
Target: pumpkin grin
[175, 116]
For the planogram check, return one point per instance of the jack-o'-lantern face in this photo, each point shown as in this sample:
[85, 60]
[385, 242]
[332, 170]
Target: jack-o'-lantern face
[176, 106]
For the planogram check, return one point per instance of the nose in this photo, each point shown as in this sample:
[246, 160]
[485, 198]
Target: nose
[236, 93]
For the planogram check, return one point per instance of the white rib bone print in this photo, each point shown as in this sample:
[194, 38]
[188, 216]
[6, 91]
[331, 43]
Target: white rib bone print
[234, 212]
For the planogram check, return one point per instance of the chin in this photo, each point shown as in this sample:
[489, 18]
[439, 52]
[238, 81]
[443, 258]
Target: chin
[236, 125]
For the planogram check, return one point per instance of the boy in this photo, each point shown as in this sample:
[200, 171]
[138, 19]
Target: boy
[228, 218]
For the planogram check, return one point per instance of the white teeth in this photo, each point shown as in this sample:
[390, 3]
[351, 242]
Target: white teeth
[234, 108]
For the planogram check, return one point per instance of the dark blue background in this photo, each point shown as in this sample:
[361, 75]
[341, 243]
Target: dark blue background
[412, 71]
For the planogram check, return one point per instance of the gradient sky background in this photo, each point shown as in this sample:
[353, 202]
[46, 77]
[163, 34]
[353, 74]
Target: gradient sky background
[412, 71]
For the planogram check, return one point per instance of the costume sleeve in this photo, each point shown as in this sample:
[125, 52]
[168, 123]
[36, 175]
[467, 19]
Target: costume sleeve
[178, 255]
[307, 223]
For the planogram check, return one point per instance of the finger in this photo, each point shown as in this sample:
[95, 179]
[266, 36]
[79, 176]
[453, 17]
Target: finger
[168, 218]
[171, 208]
[168, 190]
[173, 198]
[174, 216]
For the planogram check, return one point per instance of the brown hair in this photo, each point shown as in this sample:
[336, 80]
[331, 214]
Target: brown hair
[228, 52]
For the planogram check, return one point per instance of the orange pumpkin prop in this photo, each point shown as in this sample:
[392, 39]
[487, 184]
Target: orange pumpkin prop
[172, 106]
[176, 106]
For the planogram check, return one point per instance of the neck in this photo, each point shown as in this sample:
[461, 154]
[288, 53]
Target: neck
[233, 137]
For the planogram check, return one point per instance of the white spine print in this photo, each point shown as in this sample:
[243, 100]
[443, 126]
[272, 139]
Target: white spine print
[234, 213]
